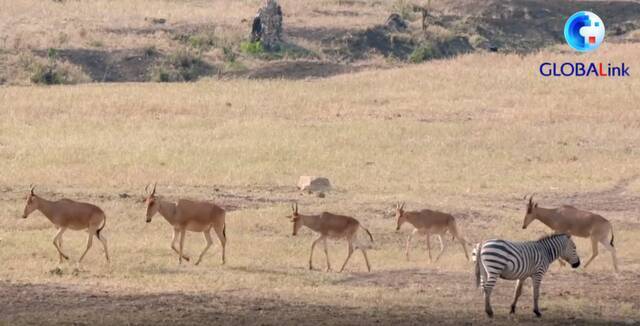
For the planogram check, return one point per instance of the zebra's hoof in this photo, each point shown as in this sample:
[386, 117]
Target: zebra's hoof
[513, 310]
[490, 313]
[538, 314]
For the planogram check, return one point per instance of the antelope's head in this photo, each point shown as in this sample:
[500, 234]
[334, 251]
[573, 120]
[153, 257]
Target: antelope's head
[32, 203]
[151, 203]
[400, 216]
[530, 215]
[569, 253]
[295, 219]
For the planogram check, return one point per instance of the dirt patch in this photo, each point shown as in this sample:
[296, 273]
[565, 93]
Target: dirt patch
[25, 303]
[110, 66]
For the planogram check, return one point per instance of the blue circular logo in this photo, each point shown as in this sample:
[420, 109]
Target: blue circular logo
[584, 31]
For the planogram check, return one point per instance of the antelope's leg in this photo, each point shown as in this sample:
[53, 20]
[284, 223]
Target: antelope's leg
[409, 242]
[174, 239]
[366, 259]
[348, 255]
[429, 245]
[442, 247]
[57, 238]
[537, 279]
[60, 246]
[516, 295]
[103, 240]
[464, 242]
[313, 246]
[223, 241]
[182, 234]
[612, 249]
[92, 232]
[207, 237]
[326, 253]
[594, 247]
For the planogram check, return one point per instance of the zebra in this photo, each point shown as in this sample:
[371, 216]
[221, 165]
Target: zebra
[519, 261]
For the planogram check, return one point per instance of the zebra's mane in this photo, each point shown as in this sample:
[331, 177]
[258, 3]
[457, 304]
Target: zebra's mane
[553, 235]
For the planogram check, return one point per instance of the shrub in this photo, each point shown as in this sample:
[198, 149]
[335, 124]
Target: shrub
[253, 48]
[183, 65]
[425, 51]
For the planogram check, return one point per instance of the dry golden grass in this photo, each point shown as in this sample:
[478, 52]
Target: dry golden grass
[469, 136]
[34, 24]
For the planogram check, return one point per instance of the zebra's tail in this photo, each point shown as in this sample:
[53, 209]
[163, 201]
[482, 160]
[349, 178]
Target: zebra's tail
[475, 256]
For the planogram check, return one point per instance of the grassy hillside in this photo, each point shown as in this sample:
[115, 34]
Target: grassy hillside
[470, 136]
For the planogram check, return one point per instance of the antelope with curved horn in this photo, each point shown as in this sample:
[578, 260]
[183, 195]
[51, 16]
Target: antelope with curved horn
[429, 222]
[69, 214]
[332, 226]
[188, 215]
[570, 220]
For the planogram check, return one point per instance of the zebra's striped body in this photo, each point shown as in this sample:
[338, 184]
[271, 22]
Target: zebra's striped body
[519, 261]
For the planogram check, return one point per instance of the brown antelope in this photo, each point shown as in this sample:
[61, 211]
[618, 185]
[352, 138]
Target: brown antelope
[68, 214]
[187, 215]
[330, 226]
[429, 222]
[570, 220]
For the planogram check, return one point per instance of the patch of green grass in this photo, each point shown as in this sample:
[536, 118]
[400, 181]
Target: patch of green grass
[426, 51]
[252, 48]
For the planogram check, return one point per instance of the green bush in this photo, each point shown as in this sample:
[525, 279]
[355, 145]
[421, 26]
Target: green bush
[253, 48]
[424, 52]
[182, 65]
[46, 75]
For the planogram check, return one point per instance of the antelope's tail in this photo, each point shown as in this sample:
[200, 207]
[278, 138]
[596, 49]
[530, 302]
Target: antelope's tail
[224, 231]
[476, 257]
[104, 222]
[369, 233]
[611, 235]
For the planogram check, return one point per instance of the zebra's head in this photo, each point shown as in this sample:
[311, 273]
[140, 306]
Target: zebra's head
[569, 253]
[530, 215]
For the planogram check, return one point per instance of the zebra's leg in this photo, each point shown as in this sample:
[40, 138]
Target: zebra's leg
[537, 279]
[442, 247]
[488, 287]
[612, 249]
[516, 295]
[594, 247]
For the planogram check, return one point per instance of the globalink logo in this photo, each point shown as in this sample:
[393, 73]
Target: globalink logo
[584, 32]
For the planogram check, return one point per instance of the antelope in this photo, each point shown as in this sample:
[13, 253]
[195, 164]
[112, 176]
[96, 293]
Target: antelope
[570, 220]
[69, 214]
[333, 226]
[188, 215]
[429, 222]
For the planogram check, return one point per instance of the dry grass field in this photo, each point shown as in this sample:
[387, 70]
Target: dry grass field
[470, 136]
